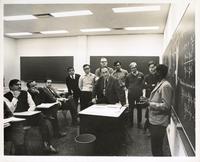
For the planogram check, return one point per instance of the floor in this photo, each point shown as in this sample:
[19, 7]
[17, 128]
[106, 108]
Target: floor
[137, 142]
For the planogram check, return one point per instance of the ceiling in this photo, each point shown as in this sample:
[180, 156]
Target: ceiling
[103, 17]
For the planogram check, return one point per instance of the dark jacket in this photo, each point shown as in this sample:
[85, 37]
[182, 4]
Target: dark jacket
[48, 96]
[72, 85]
[113, 92]
[22, 104]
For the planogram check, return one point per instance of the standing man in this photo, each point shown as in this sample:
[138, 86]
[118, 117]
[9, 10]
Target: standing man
[120, 74]
[103, 63]
[134, 84]
[107, 89]
[160, 102]
[86, 85]
[72, 85]
[150, 81]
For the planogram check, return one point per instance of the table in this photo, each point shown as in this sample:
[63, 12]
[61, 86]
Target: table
[107, 123]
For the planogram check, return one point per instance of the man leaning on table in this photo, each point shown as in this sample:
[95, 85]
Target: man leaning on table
[107, 89]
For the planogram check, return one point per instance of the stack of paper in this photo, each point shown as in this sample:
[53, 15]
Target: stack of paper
[46, 105]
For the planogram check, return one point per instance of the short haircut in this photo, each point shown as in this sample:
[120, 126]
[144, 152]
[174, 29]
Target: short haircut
[69, 68]
[162, 70]
[116, 62]
[86, 65]
[151, 62]
[13, 82]
[133, 64]
[104, 58]
[47, 79]
[28, 83]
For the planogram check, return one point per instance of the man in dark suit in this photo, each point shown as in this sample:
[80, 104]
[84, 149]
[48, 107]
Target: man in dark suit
[107, 89]
[50, 95]
[72, 81]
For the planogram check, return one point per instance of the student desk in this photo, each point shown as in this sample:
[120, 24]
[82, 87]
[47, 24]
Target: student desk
[107, 123]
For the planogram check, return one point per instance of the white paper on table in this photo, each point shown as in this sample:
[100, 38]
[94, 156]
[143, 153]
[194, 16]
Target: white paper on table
[12, 119]
[46, 105]
[26, 113]
[104, 110]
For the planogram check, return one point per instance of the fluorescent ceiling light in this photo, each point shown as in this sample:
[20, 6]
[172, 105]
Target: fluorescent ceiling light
[136, 9]
[95, 30]
[19, 34]
[19, 17]
[54, 32]
[143, 28]
[72, 13]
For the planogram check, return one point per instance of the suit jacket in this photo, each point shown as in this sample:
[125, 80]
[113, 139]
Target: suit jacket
[113, 92]
[48, 96]
[72, 85]
[160, 103]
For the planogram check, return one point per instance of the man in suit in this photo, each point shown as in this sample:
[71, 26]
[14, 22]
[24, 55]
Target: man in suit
[107, 89]
[50, 95]
[134, 84]
[18, 101]
[72, 81]
[160, 102]
[103, 63]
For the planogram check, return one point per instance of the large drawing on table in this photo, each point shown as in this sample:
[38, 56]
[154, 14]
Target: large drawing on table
[142, 62]
[180, 56]
[40, 68]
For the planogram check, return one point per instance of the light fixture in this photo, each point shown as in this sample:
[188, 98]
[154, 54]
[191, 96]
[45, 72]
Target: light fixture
[19, 17]
[72, 13]
[143, 28]
[95, 30]
[54, 32]
[19, 34]
[136, 9]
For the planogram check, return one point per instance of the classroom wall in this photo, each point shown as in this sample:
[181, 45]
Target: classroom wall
[11, 60]
[81, 47]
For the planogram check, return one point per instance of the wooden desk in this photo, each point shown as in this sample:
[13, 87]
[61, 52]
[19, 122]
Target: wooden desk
[107, 124]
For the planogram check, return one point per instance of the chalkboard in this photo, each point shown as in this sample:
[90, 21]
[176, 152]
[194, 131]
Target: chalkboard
[180, 57]
[40, 68]
[142, 62]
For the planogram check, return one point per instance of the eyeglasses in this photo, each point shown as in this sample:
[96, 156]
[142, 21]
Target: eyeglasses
[18, 84]
[86, 68]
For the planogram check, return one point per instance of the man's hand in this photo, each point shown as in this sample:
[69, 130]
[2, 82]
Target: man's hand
[94, 100]
[16, 94]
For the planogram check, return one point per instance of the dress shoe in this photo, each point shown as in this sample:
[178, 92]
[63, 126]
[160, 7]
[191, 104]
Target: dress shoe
[52, 149]
[61, 134]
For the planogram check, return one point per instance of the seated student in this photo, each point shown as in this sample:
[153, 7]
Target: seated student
[15, 134]
[38, 97]
[50, 95]
[20, 101]
[107, 89]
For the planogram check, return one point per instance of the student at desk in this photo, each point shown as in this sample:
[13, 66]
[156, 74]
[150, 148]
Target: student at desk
[50, 95]
[21, 101]
[107, 89]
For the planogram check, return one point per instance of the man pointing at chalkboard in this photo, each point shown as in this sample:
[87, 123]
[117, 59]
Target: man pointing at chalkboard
[159, 109]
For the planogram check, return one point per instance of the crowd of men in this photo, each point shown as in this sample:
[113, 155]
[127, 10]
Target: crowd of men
[105, 86]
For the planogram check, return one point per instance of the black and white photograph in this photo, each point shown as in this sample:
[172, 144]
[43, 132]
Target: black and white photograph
[108, 80]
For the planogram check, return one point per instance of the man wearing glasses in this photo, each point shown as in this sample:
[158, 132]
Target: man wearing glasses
[86, 84]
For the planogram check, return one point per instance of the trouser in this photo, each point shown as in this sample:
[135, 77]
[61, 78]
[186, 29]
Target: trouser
[85, 99]
[76, 98]
[16, 134]
[157, 135]
[146, 124]
[71, 106]
[131, 114]
[42, 123]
